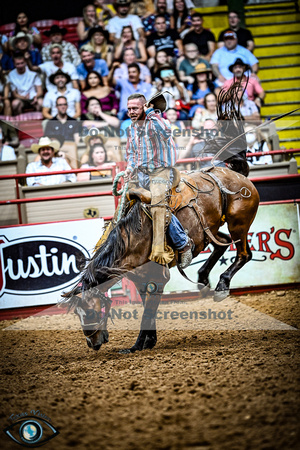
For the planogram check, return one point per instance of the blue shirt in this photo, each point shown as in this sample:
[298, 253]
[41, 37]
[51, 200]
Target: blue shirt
[100, 67]
[224, 58]
[126, 88]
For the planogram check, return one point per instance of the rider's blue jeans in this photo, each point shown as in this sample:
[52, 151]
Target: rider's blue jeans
[175, 231]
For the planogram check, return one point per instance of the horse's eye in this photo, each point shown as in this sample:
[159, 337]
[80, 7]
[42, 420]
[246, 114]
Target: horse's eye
[30, 431]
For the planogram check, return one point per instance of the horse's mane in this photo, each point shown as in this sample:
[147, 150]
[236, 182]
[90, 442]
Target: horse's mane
[230, 124]
[105, 263]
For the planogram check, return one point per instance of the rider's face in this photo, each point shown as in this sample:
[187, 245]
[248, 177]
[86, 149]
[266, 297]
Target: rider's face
[136, 109]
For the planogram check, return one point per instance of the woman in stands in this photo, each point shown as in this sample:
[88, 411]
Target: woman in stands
[201, 86]
[99, 41]
[180, 19]
[128, 41]
[22, 24]
[97, 157]
[105, 94]
[208, 112]
[96, 118]
[256, 143]
[89, 21]
[161, 59]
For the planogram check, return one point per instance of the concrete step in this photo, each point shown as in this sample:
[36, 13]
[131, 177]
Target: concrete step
[272, 5]
[289, 95]
[270, 28]
[290, 144]
[276, 49]
[271, 18]
[271, 60]
[281, 83]
[278, 71]
[289, 133]
[275, 38]
[276, 108]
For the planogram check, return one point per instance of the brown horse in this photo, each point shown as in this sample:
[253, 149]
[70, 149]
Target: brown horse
[219, 195]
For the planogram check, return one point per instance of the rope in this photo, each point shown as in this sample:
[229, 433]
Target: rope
[121, 192]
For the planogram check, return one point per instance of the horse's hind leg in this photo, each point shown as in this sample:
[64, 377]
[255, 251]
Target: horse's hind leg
[205, 269]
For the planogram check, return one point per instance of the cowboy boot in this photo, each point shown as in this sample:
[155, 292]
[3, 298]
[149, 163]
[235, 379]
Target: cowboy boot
[186, 254]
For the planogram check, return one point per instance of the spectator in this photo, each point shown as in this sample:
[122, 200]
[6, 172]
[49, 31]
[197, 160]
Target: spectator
[121, 71]
[5, 105]
[163, 39]
[99, 42]
[180, 19]
[97, 157]
[244, 36]
[95, 117]
[208, 112]
[141, 8]
[191, 60]
[161, 60]
[89, 64]
[134, 85]
[256, 143]
[89, 21]
[50, 67]
[7, 153]
[201, 86]
[104, 12]
[25, 86]
[22, 24]
[225, 56]
[105, 94]
[254, 90]
[3, 44]
[91, 140]
[62, 81]
[204, 39]
[69, 51]
[248, 108]
[63, 125]
[128, 42]
[171, 83]
[123, 18]
[21, 43]
[48, 163]
[149, 21]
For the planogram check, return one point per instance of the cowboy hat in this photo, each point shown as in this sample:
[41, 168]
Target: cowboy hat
[21, 35]
[122, 2]
[91, 136]
[98, 29]
[55, 29]
[201, 68]
[59, 72]
[45, 142]
[159, 101]
[239, 62]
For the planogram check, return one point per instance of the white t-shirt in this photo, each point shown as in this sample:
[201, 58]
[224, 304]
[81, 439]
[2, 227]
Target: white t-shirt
[72, 96]
[116, 24]
[49, 68]
[24, 83]
[258, 160]
[7, 153]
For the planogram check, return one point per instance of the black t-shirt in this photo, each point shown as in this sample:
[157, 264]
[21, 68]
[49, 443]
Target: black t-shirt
[200, 39]
[243, 36]
[55, 128]
[166, 42]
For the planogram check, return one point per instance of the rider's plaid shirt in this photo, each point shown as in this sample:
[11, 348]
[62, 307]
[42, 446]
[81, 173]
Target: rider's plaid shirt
[151, 145]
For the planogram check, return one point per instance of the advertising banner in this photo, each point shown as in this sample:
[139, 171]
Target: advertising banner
[39, 262]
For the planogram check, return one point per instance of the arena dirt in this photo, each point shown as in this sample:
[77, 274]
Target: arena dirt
[207, 389]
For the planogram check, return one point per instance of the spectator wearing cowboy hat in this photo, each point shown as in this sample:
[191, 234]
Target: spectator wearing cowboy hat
[62, 81]
[49, 67]
[122, 19]
[48, 163]
[21, 43]
[69, 51]
[99, 40]
[201, 86]
[254, 90]
[225, 56]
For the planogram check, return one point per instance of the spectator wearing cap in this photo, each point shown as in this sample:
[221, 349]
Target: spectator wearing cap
[89, 21]
[49, 67]
[69, 51]
[149, 21]
[63, 125]
[99, 40]
[204, 39]
[244, 36]
[21, 43]
[123, 18]
[254, 90]
[89, 64]
[225, 56]
[188, 64]
[48, 163]
[201, 86]
[61, 81]
[163, 39]
[25, 86]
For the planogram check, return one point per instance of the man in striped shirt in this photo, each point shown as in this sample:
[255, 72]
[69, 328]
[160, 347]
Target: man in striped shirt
[150, 150]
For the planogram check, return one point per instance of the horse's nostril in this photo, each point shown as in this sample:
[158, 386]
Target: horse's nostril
[89, 343]
[96, 347]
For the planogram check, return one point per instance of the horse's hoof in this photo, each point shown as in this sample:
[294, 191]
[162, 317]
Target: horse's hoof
[149, 344]
[204, 291]
[125, 351]
[221, 295]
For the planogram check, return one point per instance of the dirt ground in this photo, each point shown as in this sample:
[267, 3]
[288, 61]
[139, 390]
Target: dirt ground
[198, 389]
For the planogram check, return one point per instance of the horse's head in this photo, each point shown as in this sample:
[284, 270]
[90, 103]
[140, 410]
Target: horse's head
[93, 311]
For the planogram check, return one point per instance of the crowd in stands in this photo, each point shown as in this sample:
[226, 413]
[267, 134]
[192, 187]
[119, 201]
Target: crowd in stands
[124, 48]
